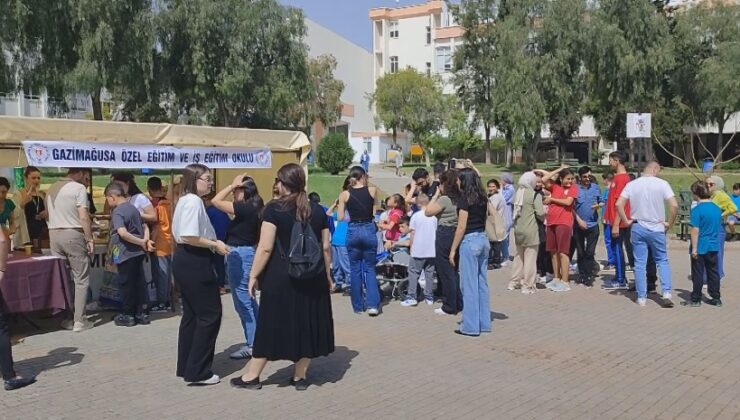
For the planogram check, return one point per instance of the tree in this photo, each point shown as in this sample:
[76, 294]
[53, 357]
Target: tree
[629, 53]
[410, 101]
[236, 63]
[323, 101]
[115, 47]
[560, 45]
[461, 134]
[335, 153]
[475, 60]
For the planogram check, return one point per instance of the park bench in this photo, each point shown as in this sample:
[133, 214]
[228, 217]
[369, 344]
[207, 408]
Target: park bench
[684, 214]
[553, 164]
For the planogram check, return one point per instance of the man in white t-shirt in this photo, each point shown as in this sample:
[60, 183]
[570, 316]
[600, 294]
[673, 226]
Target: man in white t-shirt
[423, 237]
[70, 235]
[647, 196]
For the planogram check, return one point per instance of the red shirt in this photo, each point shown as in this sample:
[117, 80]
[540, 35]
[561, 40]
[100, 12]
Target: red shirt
[395, 232]
[558, 214]
[615, 189]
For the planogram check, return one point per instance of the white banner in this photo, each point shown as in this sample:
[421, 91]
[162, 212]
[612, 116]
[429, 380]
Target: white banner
[638, 126]
[65, 154]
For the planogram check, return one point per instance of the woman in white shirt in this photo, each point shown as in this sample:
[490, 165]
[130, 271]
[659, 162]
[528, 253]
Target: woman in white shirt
[136, 197]
[194, 273]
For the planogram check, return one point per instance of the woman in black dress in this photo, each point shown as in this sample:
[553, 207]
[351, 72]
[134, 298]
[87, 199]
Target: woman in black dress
[32, 201]
[295, 319]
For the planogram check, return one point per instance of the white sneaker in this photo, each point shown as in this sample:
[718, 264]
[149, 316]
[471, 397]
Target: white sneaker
[213, 380]
[407, 302]
[513, 286]
[641, 301]
[505, 263]
[549, 276]
[667, 295]
[439, 311]
[373, 312]
[82, 326]
[542, 280]
[526, 291]
[429, 301]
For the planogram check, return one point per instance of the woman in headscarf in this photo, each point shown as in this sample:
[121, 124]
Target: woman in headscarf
[528, 210]
[716, 187]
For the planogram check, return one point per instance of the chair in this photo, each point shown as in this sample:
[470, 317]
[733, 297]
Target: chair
[684, 214]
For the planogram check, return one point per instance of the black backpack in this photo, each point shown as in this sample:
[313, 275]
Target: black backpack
[305, 253]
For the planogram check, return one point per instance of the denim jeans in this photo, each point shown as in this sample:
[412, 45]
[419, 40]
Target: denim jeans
[721, 254]
[505, 248]
[362, 246]
[705, 265]
[620, 265]
[642, 240]
[476, 312]
[340, 265]
[611, 259]
[238, 265]
[162, 277]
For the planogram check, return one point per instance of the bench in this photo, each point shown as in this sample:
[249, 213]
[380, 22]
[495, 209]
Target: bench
[683, 220]
[554, 164]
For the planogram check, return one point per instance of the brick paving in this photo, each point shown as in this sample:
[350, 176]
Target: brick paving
[585, 354]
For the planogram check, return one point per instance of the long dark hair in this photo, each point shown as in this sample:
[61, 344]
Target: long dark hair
[471, 188]
[190, 175]
[130, 181]
[356, 174]
[251, 193]
[293, 178]
[448, 181]
[347, 182]
[29, 170]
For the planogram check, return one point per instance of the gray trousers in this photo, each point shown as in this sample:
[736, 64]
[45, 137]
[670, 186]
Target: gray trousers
[416, 266]
[70, 244]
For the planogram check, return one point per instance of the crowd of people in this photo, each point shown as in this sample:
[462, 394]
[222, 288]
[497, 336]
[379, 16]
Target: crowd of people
[297, 252]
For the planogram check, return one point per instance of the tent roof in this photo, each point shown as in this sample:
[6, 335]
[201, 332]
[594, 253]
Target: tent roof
[14, 130]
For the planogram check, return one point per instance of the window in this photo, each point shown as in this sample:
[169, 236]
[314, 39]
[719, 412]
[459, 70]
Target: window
[368, 144]
[394, 64]
[429, 35]
[393, 28]
[429, 69]
[444, 58]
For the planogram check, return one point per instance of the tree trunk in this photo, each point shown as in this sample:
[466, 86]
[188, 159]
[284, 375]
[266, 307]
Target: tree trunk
[394, 137]
[509, 144]
[720, 140]
[97, 106]
[531, 150]
[488, 143]
[631, 153]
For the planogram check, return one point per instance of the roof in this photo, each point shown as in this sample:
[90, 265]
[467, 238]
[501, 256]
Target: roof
[14, 130]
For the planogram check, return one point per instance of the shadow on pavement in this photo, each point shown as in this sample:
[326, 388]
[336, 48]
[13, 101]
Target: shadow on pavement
[498, 316]
[329, 369]
[224, 366]
[57, 358]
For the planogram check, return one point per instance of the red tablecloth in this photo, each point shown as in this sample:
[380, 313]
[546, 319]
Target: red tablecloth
[36, 284]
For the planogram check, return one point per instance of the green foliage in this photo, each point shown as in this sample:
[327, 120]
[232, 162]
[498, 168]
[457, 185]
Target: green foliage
[410, 101]
[323, 102]
[629, 53]
[334, 153]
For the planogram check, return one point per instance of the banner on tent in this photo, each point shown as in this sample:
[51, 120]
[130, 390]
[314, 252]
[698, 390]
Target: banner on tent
[64, 154]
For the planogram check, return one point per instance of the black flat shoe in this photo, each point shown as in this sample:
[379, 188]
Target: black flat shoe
[238, 382]
[300, 385]
[18, 383]
[465, 334]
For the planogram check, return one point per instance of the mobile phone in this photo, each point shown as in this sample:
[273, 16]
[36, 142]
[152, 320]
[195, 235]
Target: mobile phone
[452, 164]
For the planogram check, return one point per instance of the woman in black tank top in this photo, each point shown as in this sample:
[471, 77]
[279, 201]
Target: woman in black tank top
[362, 242]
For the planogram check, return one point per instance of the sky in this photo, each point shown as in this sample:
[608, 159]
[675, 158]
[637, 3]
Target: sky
[348, 18]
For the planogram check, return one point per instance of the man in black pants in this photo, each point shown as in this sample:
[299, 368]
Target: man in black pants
[586, 230]
[12, 379]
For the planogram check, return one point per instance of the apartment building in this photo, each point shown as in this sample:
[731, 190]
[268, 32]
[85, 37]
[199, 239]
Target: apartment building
[423, 37]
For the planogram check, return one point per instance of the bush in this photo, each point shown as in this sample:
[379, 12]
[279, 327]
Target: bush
[334, 153]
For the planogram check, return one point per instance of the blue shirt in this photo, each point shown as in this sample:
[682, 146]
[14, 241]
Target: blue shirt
[220, 222]
[707, 217]
[736, 200]
[339, 237]
[588, 197]
[604, 196]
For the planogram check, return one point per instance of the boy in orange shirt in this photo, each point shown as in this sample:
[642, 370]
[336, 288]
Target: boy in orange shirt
[161, 258]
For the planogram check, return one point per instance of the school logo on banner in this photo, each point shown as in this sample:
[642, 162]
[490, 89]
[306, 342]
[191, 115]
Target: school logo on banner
[37, 154]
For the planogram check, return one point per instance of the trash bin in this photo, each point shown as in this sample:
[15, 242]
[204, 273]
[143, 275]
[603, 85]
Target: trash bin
[708, 165]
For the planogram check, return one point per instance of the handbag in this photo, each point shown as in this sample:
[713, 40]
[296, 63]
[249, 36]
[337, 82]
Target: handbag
[495, 226]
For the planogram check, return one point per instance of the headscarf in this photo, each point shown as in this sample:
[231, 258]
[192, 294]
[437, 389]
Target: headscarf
[527, 181]
[507, 177]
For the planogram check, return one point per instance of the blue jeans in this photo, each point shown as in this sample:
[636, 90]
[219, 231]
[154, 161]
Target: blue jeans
[721, 254]
[162, 277]
[340, 265]
[238, 264]
[611, 259]
[362, 246]
[504, 248]
[642, 240]
[620, 265]
[476, 313]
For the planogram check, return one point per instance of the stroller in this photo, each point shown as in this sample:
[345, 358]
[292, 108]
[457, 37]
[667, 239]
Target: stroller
[392, 271]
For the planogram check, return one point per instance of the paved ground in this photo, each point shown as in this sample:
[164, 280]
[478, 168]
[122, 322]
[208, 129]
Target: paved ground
[584, 354]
